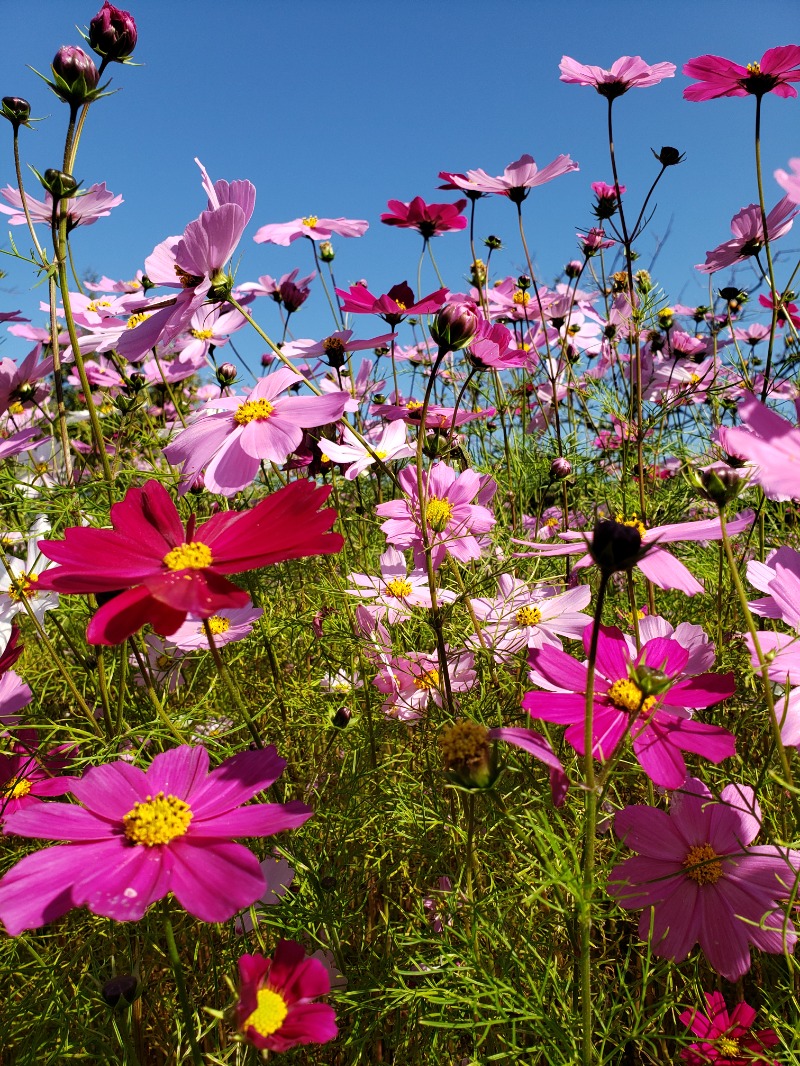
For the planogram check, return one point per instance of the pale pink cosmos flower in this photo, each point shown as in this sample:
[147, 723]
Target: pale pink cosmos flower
[627, 72]
[311, 226]
[333, 347]
[397, 591]
[228, 625]
[278, 875]
[268, 286]
[772, 443]
[779, 577]
[411, 681]
[391, 444]
[722, 77]
[790, 183]
[451, 519]
[748, 235]
[233, 434]
[517, 179]
[521, 617]
[83, 209]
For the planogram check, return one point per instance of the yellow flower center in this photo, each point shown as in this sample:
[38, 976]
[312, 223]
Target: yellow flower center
[40, 468]
[93, 305]
[271, 1011]
[218, 625]
[253, 411]
[552, 523]
[16, 788]
[414, 405]
[137, 319]
[702, 865]
[400, 305]
[633, 522]
[381, 454]
[310, 220]
[529, 616]
[726, 1046]
[157, 820]
[438, 513]
[627, 695]
[694, 379]
[427, 680]
[521, 298]
[16, 408]
[753, 68]
[163, 661]
[23, 587]
[202, 334]
[398, 587]
[192, 556]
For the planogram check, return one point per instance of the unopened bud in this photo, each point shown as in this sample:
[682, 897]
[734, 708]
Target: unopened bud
[560, 468]
[720, 486]
[124, 989]
[16, 110]
[112, 33]
[75, 74]
[669, 157]
[326, 252]
[523, 282]
[493, 243]
[454, 326]
[342, 718]
[573, 268]
[226, 374]
[615, 546]
[267, 359]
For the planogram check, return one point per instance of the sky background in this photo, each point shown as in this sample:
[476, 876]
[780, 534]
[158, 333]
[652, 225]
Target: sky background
[332, 108]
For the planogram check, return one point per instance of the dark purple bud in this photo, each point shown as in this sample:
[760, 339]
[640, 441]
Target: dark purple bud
[573, 268]
[669, 157]
[123, 988]
[454, 326]
[267, 359]
[494, 244]
[226, 374]
[112, 33]
[342, 717]
[560, 468]
[76, 75]
[16, 110]
[615, 546]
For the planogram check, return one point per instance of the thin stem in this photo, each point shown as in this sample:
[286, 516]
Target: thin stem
[227, 680]
[180, 983]
[770, 268]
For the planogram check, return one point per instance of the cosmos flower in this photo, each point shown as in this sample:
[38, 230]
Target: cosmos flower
[431, 220]
[83, 209]
[727, 1039]
[141, 834]
[722, 77]
[627, 72]
[770, 441]
[748, 234]
[311, 226]
[790, 183]
[517, 179]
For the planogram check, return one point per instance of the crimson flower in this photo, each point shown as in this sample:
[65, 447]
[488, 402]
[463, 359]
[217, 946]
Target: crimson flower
[722, 77]
[162, 573]
[431, 220]
[627, 72]
[726, 1039]
[393, 306]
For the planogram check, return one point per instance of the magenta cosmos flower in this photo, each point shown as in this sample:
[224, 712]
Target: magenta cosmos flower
[705, 884]
[451, 519]
[164, 572]
[659, 725]
[27, 774]
[627, 72]
[771, 442]
[233, 434]
[722, 77]
[393, 306]
[431, 220]
[727, 1039]
[748, 234]
[311, 226]
[141, 834]
[517, 179]
[275, 1011]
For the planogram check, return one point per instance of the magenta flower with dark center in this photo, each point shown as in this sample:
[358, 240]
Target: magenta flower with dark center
[275, 1010]
[627, 72]
[141, 834]
[722, 77]
[699, 879]
[395, 305]
[431, 220]
[648, 697]
[727, 1039]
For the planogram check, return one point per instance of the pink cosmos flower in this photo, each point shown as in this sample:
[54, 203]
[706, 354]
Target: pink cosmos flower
[411, 681]
[84, 209]
[779, 576]
[396, 591]
[517, 179]
[722, 77]
[437, 417]
[231, 435]
[268, 286]
[141, 834]
[167, 572]
[278, 875]
[790, 183]
[772, 443]
[28, 775]
[748, 234]
[451, 520]
[316, 229]
[275, 1011]
[334, 347]
[627, 72]
[231, 624]
[22, 441]
[495, 346]
[19, 382]
[393, 306]
[704, 882]
[392, 444]
[659, 724]
[431, 220]
[727, 1039]
[662, 568]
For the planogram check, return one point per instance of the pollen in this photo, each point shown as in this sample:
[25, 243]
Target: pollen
[633, 522]
[217, 624]
[753, 68]
[94, 305]
[16, 408]
[310, 221]
[253, 411]
[401, 306]
[202, 334]
[552, 523]
[137, 319]
[438, 513]
[333, 346]
[529, 616]
[728, 1047]
[521, 298]
[16, 788]
[23, 587]
[427, 680]
[398, 587]
[192, 556]
[157, 820]
[271, 1011]
[414, 405]
[381, 454]
[702, 865]
[628, 696]
[464, 745]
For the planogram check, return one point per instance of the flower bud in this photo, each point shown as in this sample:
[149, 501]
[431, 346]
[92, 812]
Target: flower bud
[16, 110]
[494, 244]
[124, 987]
[112, 33]
[719, 485]
[59, 184]
[573, 268]
[669, 157]
[615, 546]
[136, 382]
[560, 468]
[341, 718]
[76, 76]
[226, 374]
[454, 326]
[198, 486]
[267, 359]
[469, 759]
[665, 318]
[523, 282]
[326, 252]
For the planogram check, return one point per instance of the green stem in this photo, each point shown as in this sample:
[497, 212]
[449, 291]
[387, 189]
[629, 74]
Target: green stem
[180, 983]
[228, 682]
[770, 268]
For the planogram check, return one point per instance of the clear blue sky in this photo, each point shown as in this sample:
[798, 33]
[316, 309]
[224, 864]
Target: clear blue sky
[331, 108]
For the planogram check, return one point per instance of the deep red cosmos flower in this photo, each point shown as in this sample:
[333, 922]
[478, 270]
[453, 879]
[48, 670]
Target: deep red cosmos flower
[164, 573]
[431, 220]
